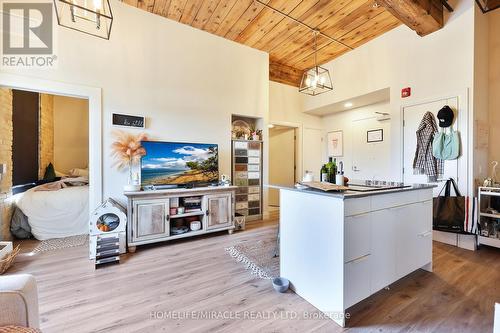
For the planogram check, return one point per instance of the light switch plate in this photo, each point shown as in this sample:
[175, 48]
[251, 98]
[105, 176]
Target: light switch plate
[3, 168]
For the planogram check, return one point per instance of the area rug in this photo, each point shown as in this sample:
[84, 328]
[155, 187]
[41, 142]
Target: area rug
[257, 257]
[61, 243]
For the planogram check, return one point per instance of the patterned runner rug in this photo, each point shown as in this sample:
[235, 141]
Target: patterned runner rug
[61, 243]
[258, 257]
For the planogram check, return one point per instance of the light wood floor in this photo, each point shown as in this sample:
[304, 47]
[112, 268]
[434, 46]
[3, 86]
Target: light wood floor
[197, 275]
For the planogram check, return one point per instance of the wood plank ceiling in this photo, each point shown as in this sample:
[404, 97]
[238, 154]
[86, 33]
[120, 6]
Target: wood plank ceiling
[289, 44]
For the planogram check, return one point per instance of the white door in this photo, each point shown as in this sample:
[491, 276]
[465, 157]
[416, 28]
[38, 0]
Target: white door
[370, 160]
[312, 151]
[281, 160]
[412, 116]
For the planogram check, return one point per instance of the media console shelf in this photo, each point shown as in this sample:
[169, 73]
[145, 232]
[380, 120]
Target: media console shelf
[149, 218]
[489, 216]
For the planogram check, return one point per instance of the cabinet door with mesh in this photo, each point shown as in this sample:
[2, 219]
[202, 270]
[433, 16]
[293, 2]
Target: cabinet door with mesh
[151, 219]
[219, 211]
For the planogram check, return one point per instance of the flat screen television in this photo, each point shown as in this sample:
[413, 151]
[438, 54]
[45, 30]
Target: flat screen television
[179, 164]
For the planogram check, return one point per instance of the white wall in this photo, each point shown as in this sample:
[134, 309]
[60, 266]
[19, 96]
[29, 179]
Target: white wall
[494, 84]
[480, 90]
[438, 65]
[185, 81]
[71, 133]
[348, 122]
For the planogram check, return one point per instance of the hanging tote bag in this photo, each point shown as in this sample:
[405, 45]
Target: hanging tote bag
[448, 211]
[446, 146]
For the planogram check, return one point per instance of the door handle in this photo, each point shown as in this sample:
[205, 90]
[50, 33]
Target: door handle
[353, 261]
[425, 234]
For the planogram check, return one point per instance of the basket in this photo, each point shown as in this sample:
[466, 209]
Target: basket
[8, 260]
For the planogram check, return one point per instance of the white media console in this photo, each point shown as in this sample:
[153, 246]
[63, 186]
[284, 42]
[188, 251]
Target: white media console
[153, 215]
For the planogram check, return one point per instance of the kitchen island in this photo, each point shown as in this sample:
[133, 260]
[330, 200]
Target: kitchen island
[339, 248]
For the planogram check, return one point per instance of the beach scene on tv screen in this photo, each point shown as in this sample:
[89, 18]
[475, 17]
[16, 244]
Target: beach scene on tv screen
[179, 163]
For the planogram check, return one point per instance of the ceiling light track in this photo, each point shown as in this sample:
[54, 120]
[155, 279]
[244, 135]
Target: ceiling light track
[303, 24]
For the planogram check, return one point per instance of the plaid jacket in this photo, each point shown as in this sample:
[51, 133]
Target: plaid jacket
[424, 162]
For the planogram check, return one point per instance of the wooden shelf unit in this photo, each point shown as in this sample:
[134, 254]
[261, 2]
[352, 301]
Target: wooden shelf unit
[247, 176]
[489, 223]
[149, 219]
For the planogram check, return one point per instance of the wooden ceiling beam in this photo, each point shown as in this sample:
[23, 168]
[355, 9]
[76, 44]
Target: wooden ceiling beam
[423, 16]
[284, 74]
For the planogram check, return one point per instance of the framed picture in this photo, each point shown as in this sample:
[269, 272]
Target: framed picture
[335, 143]
[375, 135]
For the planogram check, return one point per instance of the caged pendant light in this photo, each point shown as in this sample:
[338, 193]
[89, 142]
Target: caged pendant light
[93, 17]
[316, 80]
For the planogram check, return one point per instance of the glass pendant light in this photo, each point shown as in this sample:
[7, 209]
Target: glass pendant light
[93, 17]
[316, 80]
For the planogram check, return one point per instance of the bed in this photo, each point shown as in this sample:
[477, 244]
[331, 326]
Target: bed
[56, 213]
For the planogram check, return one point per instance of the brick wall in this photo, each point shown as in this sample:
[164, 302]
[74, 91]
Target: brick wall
[5, 158]
[46, 146]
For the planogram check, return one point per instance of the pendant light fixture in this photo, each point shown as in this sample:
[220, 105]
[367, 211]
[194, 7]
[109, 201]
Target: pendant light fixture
[93, 17]
[316, 80]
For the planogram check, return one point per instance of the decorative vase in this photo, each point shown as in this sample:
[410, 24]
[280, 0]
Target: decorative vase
[133, 183]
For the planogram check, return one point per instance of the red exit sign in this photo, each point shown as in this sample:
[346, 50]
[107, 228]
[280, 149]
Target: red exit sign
[405, 92]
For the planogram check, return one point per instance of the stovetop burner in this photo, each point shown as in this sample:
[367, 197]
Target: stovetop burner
[374, 185]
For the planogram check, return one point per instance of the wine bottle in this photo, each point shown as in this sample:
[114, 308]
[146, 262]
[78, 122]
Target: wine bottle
[329, 168]
[323, 173]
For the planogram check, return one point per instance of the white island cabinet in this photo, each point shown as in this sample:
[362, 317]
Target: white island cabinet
[338, 249]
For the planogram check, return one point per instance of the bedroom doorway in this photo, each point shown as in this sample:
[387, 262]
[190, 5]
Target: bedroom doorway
[46, 158]
[282, 159]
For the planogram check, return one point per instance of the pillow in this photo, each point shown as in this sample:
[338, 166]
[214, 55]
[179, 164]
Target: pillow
[60, 174]
[50, 173]
[76, 172]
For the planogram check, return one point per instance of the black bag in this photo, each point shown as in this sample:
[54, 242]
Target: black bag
[448, 211]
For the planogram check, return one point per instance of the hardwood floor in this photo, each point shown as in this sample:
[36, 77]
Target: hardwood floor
[196, 275]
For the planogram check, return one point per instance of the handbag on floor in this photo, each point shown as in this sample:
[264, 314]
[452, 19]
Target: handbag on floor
[449, 211]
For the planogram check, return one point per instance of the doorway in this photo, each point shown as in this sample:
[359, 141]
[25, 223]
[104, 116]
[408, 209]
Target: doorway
[313, 153]
[93, 95]
[282, 159]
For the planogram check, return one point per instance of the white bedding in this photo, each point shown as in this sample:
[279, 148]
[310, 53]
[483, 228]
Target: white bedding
[56, 214]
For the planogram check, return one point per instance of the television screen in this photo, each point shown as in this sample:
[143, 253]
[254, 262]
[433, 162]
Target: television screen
[175, 163]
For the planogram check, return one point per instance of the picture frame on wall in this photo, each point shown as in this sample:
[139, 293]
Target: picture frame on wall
[376, 135]
[335, 144]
